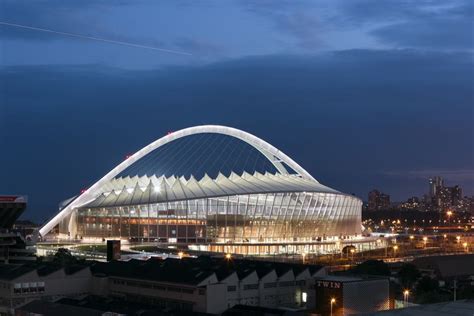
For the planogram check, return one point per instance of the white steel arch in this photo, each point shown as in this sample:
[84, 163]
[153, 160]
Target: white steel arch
[265, 148]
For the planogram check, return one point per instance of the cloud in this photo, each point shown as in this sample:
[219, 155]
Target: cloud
[343, 116]
[394, 23]
[423, 24]
[198, 46]
[64, 16]
[299, 19]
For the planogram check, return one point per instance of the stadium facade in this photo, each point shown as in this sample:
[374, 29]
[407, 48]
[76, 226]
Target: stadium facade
[212, 188]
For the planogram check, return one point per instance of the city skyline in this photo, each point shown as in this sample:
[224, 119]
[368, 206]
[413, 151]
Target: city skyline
[365, 94]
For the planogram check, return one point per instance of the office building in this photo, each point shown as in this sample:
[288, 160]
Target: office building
[378, 201]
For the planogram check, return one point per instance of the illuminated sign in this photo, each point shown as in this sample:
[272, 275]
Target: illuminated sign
[329, 284]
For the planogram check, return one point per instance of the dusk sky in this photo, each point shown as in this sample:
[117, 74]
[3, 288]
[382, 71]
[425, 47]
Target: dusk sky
[363, 94]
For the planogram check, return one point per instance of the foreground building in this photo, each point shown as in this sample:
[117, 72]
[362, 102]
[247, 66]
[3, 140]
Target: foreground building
[20, 284]
[351, 295]
[14, 248]
[211, 188]
[204, 284]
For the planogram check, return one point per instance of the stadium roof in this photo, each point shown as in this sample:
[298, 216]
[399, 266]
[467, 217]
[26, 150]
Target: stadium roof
[146, 190]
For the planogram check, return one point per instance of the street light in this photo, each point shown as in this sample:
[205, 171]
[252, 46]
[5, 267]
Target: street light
[405, 297]
[228, 256]
[395, 248]
[352, 254]
[425, 239]
[449, 214]
[333, 301]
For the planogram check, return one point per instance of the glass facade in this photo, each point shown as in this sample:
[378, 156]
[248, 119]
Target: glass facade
[269, 217]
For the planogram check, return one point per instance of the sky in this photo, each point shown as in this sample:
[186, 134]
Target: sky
[363, 94]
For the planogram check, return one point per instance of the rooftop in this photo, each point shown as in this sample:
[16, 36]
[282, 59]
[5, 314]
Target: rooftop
[448, 266]
[12, 271]
[193, 271]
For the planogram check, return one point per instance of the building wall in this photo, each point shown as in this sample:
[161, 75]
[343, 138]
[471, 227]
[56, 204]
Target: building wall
[31, 286]
[351, 297]
[209, 296]
[366, 296]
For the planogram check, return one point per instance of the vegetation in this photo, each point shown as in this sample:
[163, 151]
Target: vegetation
[64, 257]
[408, 275]
[372, 267]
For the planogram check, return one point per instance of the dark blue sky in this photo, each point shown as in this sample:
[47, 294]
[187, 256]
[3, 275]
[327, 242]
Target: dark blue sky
[363, 94]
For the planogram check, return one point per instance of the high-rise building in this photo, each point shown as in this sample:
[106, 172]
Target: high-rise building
[435, 184]
[449, 197]
[378, 201]
[456, 195]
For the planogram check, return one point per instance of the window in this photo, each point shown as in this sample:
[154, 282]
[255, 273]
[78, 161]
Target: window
[231, 288]
[286, 283]
[250, 287]
[174, 289]
[269, 285]
[304, 297]
[187, 291]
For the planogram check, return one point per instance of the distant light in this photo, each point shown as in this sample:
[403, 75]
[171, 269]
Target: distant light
[83, 191]
[180, 254]
[128, 156]
[169, 133]
[228, 256]
[333, 300]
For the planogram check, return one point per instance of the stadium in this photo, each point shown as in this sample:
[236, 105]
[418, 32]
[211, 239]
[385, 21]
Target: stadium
[211, 188]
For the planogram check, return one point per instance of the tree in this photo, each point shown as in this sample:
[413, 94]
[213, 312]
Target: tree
[408, 275]
[64, 257]
[372, 267]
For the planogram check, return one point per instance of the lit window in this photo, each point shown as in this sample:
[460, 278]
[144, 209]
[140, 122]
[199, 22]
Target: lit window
[304, 297]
